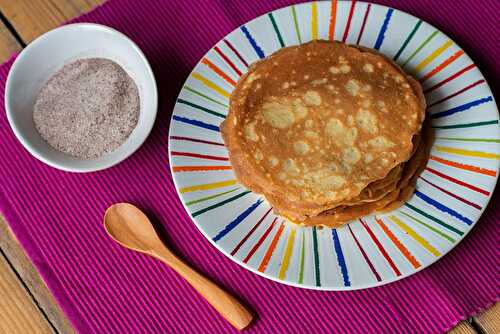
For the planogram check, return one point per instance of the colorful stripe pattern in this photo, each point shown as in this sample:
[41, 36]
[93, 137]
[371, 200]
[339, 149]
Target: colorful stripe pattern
[243, 225]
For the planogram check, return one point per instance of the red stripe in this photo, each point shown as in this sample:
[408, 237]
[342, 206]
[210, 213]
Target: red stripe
[349, 19]
[196, 155]
[462, 183]
[452, 194]
[381, 248]
[237, 248]
[454, 76]
[195, 140]
[370, 264]
[227, 60]
[364, 23]
[457, 93]
[261, 240]
[235, 52]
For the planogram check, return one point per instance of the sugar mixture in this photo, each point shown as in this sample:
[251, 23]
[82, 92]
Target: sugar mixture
[88, 108]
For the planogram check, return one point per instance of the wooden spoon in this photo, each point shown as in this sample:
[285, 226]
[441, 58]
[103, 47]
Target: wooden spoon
[130, 227]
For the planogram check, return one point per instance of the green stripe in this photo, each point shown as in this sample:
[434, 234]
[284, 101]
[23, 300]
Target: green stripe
[194, 105]
[433, 229]
[296, 24]
[440, 222]
[316, 256]
[421, 46]
[407, 40]
[205, 96]
[465, 125]
[216, 205]
[484, 140]
[203, 199]
[301, 269]
[275, 26]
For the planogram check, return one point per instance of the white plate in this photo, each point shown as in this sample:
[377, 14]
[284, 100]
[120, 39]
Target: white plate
[451, 193]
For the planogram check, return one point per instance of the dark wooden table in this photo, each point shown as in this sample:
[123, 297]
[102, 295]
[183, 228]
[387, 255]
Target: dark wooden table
[26, 305]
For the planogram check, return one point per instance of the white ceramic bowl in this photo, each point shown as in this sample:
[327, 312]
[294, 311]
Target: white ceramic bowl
[51, 51]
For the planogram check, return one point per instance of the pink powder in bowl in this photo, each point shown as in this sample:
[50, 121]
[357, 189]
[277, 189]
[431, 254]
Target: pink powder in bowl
[88, 108]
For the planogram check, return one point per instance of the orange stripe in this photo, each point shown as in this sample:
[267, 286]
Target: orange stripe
[474, 169]
[333, 17]
[199, 168]
[445, 63]
[217, 70]
[398, 244]
[271, 248]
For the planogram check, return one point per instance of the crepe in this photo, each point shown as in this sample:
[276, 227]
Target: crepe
[320, 125]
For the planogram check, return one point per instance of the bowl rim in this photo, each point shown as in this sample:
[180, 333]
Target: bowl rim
[65, 166]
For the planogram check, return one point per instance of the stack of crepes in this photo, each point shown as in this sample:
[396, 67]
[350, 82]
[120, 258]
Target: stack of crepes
[327, 132]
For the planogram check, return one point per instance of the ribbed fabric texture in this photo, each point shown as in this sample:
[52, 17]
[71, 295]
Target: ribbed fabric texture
[103, 288]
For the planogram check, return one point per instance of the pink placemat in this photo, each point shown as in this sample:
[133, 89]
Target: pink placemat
[103, 288]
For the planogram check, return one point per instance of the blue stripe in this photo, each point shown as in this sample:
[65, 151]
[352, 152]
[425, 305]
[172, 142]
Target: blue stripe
[461, 108]
[252, 41]
[442, 207]
[236, 221]
[196, 123]
[340, 257]
[381, 34]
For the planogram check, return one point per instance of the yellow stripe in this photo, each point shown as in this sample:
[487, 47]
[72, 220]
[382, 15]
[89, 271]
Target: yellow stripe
[314, 20]
[433, 55]
[467, 152]
[424, 243]
[288, 254]
[208, 186]
[211, 84]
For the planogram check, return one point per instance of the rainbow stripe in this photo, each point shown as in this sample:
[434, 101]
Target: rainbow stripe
[249, 234]
[461, 108]
[195, 122]
[407, 40]
[417, 237]
[260, 241]
[365, 18]
[406, 253]
[270, 250]
[365, 256]
[207, 186]
[441, 207]
[349, 19]
[381, 248]
[210, 84]
[216, 69]
[383, 29]
[436, 53]
[316, 256]
[219, 204]
[285, 261]
[420, 47]
[314, 20]
[276, 29]
[340, 258]
[467, 153]
[252, 42]
[206, 198]
[333, 18]
[229, 227]
[197, 106]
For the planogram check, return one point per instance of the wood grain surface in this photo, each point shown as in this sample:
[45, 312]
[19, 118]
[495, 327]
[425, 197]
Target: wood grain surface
[26, 304]
[19, 314]
[31, 18]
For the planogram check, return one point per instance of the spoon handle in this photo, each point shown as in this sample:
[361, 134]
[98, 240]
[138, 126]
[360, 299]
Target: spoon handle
[228, 306]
